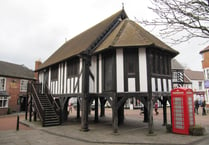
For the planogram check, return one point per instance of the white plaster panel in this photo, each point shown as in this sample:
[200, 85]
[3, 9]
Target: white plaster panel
[159, 85]
[142, 70]
[120, 70]
[165, 85]
[65, 77]
[100, 73]
[80, 80]
[72, 85]
[49, 78]
[76, 89]
[131, 84]
[169, 85]
[153, 85]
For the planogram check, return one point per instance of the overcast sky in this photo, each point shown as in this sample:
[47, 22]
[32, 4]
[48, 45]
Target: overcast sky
[32, 30]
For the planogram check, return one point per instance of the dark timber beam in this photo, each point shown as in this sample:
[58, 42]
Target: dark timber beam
[96, 118]
[85, 89]
[78, 108]
[115, 113]
[150, 102]
[164, 110]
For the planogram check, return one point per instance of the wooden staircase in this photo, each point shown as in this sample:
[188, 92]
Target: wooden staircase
[50, 117]
[44, 104]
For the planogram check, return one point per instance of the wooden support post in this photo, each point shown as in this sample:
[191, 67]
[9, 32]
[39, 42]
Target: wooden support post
[78, 109]
[96, 110]
[150, 102]
[169, 100]
[34, 116]
[164, 111]
[150, 112]
[31, 109]
[84, 118]
[115, 114]
[120, 113]
[26, 108]
[146, 116]
[85, 89]
[102, 107]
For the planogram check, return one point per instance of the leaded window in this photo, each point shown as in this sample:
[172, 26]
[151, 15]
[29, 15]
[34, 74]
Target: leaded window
[2, 84]
[3, 102]
[23, 85]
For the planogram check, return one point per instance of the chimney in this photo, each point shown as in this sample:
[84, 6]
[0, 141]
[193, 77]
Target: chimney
[37, 64]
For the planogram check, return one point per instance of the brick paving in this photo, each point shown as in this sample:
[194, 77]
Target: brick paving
[9, 122]
[133, 131]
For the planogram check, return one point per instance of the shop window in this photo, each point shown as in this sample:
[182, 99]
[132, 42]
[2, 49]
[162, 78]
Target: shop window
[3, 102]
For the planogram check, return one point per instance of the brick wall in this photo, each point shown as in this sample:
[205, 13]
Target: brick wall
[205, 62]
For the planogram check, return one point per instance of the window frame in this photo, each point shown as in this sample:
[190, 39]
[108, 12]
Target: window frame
[23, 85]
[54, 72]
[4, 85]
[73, 66]
[2, 100]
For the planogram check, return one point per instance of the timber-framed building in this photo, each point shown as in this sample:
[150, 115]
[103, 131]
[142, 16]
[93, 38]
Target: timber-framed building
[112, 61]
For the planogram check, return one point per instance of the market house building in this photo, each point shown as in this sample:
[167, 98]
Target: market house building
[13, 87]
[113, 61]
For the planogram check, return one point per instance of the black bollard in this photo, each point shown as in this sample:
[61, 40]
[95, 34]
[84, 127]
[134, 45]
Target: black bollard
[17, 128]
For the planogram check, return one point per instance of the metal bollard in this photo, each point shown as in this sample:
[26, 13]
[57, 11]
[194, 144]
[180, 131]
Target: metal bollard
[17, 128]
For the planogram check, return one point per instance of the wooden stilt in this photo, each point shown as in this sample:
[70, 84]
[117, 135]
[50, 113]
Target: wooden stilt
[31, 109]
[121, 114]
[85, 89]
[96, 110]
[146, 116]
[84, 118]
[78, 109]
[164, 111]
[150, 112]
[115, 114]
[102, 107]
[26, 108]
[34, 116]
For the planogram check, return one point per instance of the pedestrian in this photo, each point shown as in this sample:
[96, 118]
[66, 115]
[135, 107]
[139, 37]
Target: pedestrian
[203, 108]
[70, 107]
[196, 103]
[156, 108]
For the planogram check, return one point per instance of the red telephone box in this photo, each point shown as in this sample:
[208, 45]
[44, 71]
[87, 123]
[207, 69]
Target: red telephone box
[182, 105]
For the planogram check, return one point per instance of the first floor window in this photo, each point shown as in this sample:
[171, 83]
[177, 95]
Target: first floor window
[54, 73]
[3, 102]
[2, 84]
[23, 85]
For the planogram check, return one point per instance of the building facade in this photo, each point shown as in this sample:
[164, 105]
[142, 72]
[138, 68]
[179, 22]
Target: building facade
[205, 67]
[195, 81]
[13, 87]
[113, 61]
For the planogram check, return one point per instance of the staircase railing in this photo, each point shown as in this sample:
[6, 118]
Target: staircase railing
[53, 102]
[33, 92]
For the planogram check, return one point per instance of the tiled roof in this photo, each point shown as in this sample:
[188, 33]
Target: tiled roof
[176, 65]
[204, 50]
[125, 33]
[194, 75]
[14, 70]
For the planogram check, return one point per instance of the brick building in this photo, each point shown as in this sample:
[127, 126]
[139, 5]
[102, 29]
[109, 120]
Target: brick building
[205, 67]
[13, 87]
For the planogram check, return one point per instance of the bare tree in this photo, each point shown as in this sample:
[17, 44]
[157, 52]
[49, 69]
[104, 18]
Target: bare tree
[181, 20]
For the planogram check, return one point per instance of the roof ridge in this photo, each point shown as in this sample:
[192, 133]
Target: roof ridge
[119, 32]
